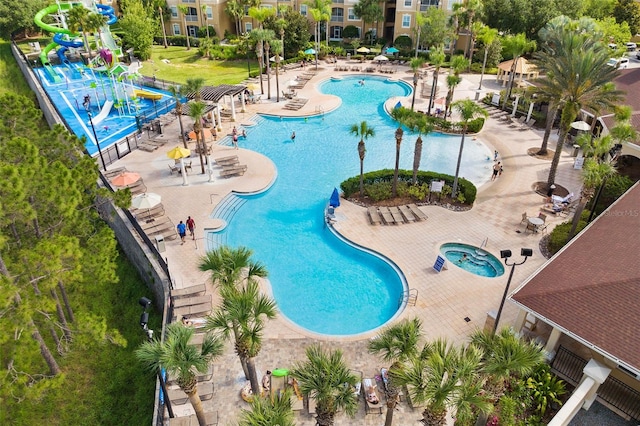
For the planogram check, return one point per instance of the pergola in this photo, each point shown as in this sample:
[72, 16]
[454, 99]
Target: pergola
[524, 71]
[216, 94]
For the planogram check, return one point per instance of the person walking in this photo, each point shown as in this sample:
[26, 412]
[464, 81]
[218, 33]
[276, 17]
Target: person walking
[496, 170]
[182, 231]
[495, 155]
[191, 225]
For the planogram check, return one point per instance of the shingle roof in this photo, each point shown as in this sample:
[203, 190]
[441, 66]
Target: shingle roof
[215, 93]
[592, 286]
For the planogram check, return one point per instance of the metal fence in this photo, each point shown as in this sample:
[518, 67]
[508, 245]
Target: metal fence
[568, 365]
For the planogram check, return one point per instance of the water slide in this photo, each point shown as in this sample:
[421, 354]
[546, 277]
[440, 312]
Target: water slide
[106, 109]
[105, 32]
[44, 58]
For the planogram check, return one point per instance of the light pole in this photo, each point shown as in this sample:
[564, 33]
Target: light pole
[104, 166]
[144, 319]
[506, 254]
[164, 33]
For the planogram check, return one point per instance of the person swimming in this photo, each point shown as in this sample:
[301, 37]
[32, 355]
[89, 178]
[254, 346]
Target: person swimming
[463, 258]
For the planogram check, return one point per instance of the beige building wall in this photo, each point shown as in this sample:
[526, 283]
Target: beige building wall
[214, 15]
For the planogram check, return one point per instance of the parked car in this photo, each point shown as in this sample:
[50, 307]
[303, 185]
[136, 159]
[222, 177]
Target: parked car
[631, 47]
[619, 63]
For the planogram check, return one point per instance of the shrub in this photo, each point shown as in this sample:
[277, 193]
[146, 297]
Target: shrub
[202, 32]
[350, 31]
[403, 42]
[559, 235]
[474, 126]
[378, 191]
[419, 192]
[544, 388]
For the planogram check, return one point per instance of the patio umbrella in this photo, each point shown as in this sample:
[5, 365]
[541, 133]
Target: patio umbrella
[148, 200]
[310, 52]
[273, 58]
[125, 178]
[392, 50]
[252, 86]
[363, 50]
[179, 153]
[581, 125]
[334, 201]
[380, 58]
[192, 135]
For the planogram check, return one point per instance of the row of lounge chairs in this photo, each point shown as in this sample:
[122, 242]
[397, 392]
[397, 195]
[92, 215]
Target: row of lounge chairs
[386, 70]
[210, 417]
[395, 215]
[231, 166]
[295, 104]
[347, 68]
[152, 144]
[302, 80]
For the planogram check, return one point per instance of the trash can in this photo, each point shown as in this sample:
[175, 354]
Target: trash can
[160, 243]
[576, 148]
[158, 126]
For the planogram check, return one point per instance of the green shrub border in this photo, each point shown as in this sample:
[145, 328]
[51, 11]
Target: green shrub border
[352, 185]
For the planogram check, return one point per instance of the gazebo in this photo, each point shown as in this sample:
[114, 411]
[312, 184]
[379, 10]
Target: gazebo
[216, 94]
[525, 70]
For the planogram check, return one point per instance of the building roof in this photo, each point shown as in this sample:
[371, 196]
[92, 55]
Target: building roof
[591, 288]
[522, 67]
[215, 93]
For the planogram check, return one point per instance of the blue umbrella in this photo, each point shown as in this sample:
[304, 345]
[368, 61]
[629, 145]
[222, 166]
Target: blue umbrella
[398, 105]
[392, 50]
[334, 201]
[310, 52]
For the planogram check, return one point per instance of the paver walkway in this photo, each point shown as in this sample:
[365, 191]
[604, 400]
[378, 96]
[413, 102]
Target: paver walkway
[451, 304]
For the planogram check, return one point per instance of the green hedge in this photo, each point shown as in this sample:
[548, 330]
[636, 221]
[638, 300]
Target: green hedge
[352, 185]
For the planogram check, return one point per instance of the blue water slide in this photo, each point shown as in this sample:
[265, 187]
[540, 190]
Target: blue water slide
[108, 12]
[59, 38]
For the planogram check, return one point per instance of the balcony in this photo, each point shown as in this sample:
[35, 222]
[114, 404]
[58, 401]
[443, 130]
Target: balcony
[191, 18]
[337, 19]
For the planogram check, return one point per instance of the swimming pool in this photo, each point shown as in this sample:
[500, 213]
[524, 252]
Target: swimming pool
[320, 283]
[477, 261]
[68, 97]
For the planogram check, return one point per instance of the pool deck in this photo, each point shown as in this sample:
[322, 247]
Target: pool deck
[445, 299]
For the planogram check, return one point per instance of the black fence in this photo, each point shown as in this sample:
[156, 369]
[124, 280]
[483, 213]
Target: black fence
[568, 365]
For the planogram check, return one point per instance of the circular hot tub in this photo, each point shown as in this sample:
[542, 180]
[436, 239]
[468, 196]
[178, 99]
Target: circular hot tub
[472, 259]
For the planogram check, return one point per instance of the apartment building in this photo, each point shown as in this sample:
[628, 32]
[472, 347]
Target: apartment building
[399, 16]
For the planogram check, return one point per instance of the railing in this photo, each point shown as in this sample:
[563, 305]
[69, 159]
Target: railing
[568, 365]
[191, 18]
[484, 242]
[409, 296]
[620, 396]
[337, 19]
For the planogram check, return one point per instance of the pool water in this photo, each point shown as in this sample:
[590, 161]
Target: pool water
[319, 282]
[68, 97]
[478, 261]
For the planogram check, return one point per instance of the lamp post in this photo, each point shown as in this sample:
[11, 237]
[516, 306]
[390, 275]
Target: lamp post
[104, 167]
[415, 87]
[506, 254]
[164, 33]
[144, 319]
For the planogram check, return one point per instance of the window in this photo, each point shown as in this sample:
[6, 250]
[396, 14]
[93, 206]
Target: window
[246, 11]
[407, 3]
[266, 6]
[209, 12]
[176, 29]
[406, 21]
[174, 11]
[351, 15]
[248, 26]
[426, 4]
[450, 3]
[337, 14]
[192, 15]
[303, 9]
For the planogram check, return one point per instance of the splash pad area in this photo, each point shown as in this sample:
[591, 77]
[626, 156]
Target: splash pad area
[118, 105]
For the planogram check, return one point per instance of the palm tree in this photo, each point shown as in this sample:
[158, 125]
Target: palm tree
[486, 35]
[243, 312]
[325, 377]
[77, 20]
[257, 38]
[396, 344]
[178, 93]
[458, 64]
[515, 46]
[276, 48]
[578, 77]
[363, 131]
[260, 14]
[203, 9]
[182, 360]
[232, 267]
[468, 111]
[422, 127]
[196, 112]
[320, 11]
[415, 64]
[94, 24]
[184, 9]
[235, 10]
[439, 377]
[436, 58]
[400, 115]
[472, 7]
[274, 410]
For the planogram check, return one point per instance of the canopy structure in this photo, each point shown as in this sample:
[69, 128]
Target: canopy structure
[310, 52]
[392, 50]
[524, 71]
[363, 50]
[380, 58]
[215, 93]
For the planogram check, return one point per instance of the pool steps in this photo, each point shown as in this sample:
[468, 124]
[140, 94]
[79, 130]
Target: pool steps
[225, 210]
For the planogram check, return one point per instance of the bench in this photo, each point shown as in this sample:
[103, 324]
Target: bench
[222, 160]
[239, 170]
[194, 290]
[193, 300]
[185, 311]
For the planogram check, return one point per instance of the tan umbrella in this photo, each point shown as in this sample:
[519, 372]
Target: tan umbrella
[252, 86]
[125, 178]
[363, 50]
[179, 153]
[148, 200]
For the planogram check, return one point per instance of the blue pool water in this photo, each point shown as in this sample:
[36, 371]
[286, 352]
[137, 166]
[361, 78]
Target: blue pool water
[478, 261]
[320, 283]
[68, 97]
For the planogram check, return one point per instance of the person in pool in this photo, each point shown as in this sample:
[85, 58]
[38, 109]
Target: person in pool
[463, 258]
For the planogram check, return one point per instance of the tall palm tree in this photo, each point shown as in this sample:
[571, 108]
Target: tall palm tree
[260, 14]
[232, 267]
[244, 311]
[400, 115]
[419, 125]
[257, 37]
[182, 360]
[184, 9]
[325, 377]
[269, 411]
[468, 111]
[178, 93]
[577, 75]
[320, 12]
[77, 20]
[486, 35]
[364, 132]
[415, 64]
[516, 46]
[472, 8]
[203, 9]
[196, 112]
[438, 376]
[235, 10]
[276, 48]
[458, 64]
[436, 58]
[396, 344]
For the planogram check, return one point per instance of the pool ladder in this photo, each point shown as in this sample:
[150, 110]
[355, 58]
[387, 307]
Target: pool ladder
[409, 296]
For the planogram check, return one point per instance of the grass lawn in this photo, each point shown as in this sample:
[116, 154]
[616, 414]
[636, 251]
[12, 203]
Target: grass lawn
[11, 78]
[184, 64]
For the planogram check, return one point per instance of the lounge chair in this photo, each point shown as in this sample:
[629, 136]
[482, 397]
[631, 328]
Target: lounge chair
[185, 311]
[234, 171]
[173, 169]
[374, 216]
[178, 397]
[370, 391]
[194, 290]
[397, 216]
[419, 214]
[407, 214]
[384, 374]
[189, 301]
[387, 217]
